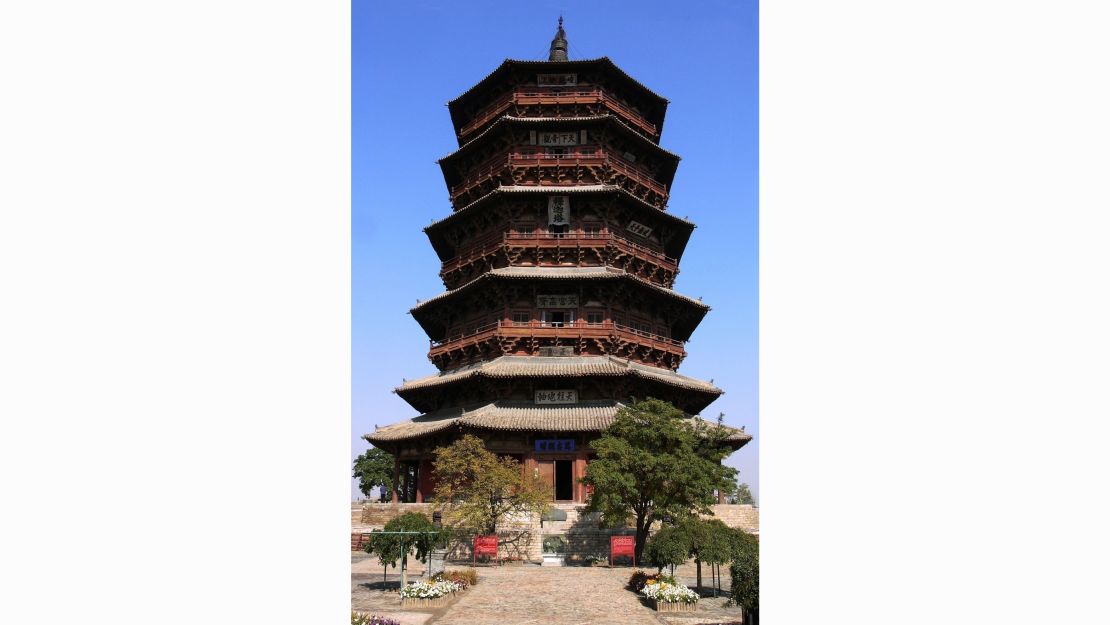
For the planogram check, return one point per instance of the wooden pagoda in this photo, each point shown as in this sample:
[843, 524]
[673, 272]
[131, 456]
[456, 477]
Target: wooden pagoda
[559, 260]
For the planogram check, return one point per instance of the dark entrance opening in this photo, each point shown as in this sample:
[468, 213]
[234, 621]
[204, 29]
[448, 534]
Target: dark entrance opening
[564, 480]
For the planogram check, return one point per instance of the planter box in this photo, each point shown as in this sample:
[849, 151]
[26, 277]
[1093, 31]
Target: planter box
[550, 559]
[674, 606]
[417, 602]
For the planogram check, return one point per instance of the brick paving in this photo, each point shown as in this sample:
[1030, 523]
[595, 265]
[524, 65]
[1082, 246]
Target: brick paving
[531, 595]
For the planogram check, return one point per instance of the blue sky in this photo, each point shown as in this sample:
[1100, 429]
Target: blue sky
[410, 58]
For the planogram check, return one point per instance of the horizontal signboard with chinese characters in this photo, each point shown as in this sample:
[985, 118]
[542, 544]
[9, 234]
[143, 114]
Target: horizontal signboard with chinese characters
[639, 229]
[557, 397]
[550, 445]
[558, 138]
[556, 301]
[559, 350]
[556, 80]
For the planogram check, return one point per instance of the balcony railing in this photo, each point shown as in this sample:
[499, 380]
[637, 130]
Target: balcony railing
[557, 95]
[486, 245]
[577, 329]
[569, 157]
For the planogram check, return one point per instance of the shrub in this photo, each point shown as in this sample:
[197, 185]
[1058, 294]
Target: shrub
[637, 581]
[554, 544]
[745, 573]
[640, 579]
[464, 578]
[358, 618]
[670, 546]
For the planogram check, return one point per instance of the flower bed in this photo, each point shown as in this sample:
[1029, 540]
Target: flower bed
[437, 591]
[669, 596]
[641, 578]
[358, 618]
[671, 606]
[429, 594]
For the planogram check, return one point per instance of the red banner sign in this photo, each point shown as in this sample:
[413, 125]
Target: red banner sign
[485, 546]
[622, 546]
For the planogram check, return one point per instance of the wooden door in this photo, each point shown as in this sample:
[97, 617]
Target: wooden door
[547, 472]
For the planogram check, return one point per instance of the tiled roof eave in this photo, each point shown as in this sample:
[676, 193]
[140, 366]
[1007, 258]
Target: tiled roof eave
[589, 416]
[508, 119]
[585, 366]
[605, 188]
[553, 273]
[508, 62]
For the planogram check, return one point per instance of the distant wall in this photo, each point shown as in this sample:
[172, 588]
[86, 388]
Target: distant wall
[523, 537]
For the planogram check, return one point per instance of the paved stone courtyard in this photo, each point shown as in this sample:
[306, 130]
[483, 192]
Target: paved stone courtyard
[530, 594]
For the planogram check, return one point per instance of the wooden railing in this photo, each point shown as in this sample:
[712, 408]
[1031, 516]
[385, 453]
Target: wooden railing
[579, 328]
[487, 244]
[572, 157]
[557, 95]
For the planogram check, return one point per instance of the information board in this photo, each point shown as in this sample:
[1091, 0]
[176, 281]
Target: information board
[485, 546]
[622, 546]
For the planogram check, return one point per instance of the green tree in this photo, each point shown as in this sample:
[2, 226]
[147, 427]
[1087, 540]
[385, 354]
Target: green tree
[741, 494]
[712, 542]
[374, 468]
[707, 541]
[745, 573]
[483, 488]
[670, 546]
[393, 547]
[654, 463]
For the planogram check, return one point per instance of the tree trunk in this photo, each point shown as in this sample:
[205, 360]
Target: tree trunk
[697, 561]
[641, 539]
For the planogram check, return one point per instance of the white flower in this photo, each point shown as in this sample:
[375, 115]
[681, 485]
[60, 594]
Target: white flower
[668, 593]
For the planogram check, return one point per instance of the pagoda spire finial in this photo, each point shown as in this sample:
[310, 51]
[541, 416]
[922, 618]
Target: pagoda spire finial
[558, 44]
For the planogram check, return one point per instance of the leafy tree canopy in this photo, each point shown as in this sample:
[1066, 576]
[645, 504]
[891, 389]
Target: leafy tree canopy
[741, 494]
[745, 572]
[483, 488]
[668, 547]
[653, 463]
[706, 540]
[389, 547]
[374, 468]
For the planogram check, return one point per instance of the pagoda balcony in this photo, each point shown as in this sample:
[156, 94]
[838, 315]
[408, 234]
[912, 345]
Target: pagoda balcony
[530, 102]
[547, 248]
[579, 165]
[503, 338]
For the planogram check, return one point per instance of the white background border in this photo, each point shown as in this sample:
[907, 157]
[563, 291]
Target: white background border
[174, 338]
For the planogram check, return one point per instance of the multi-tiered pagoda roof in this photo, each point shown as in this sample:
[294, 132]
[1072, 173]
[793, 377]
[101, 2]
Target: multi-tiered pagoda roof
[558, 261]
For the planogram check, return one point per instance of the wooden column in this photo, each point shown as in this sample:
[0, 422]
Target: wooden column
[396, 475]
[579, 472]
